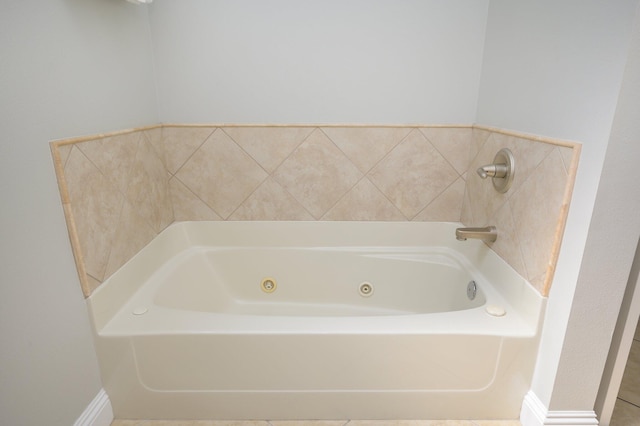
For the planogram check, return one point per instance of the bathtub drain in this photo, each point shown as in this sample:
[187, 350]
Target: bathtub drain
[472, 289]
[268, 285]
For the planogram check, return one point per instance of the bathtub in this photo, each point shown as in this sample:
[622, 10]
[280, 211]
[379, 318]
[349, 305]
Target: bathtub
[315, 320]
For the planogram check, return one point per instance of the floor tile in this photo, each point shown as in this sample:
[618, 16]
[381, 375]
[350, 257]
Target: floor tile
[630, 387]
[308, 422]
[625, 414]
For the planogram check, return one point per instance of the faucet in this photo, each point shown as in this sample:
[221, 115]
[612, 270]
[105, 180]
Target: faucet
[488, 234]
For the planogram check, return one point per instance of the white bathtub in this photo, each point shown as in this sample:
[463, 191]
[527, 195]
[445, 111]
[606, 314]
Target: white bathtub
[185, 331]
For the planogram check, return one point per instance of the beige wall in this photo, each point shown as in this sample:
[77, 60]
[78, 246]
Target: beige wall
[121, 190]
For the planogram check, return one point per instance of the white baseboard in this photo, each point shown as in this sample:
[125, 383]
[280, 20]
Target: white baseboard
[97, 413]
[535, 413]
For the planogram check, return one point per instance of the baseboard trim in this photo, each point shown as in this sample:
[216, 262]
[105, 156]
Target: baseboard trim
[535, 413]
[97, 413]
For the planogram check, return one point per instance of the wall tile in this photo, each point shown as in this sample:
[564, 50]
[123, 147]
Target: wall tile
[478, 139]
[131, 235]
[446, 207]
[454, 143]
[226, 185]
[365, 146]
[507, 245]
[148, 188]
[413, 174]
[567, 156]
[123, 190]
[64, 151]
[181, 142]
[269, 146]
[364, 202]
[186, 205]
[96, 206]
[536, 209]
[317, 174]
[113, 156]
[154, 138]
[271, 202]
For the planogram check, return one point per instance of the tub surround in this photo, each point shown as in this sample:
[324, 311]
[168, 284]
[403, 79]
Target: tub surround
[119, 190]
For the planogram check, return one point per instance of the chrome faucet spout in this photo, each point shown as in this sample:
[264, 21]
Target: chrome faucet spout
[488, 234]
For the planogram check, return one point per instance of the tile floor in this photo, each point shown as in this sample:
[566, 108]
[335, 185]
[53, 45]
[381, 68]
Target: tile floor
[318, 423]
[627, 409]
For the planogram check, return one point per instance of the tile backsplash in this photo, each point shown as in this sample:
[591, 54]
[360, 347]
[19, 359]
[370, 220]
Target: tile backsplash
[120, 190]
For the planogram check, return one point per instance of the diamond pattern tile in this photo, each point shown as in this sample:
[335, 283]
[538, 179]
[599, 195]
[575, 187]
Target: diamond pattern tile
[148, 188]
[364, 202]
[269, 146]
[125, 188]
[317, 174]
[271, 202]
[181, 142]
[365, 146]
[221, 174]
[413, 174]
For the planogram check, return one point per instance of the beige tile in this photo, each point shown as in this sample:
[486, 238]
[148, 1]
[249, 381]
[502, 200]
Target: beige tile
[454, 143]
[148, 189]
[536, 211]
[232, 423]
[221, 174]
[478, 139]
[413, 174]
[507, 246]
[63, 152]
[625, 414]
[389, 423]
[186, 205]
[317, 174]
[96, 206]
[181, 142]
[364, 202]
[118, 422]
[484, 199]
[308, 422]
[113, 156]
[466, 216]
[269, 146]
[271, 202]
[410, 423]
[131, 235]
[365, 146]
[447, 207]
[567, 156]
[637, 335]
[630, 387]
[497, 422]
[154, 138]
[528, 155]
[93, 283]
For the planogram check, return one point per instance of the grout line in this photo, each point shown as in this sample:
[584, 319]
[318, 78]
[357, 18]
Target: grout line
[629, 402]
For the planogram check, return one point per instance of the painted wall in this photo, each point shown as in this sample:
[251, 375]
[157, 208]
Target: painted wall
[68, 67]
[555, 68]
[289, 61]
[610, 249]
